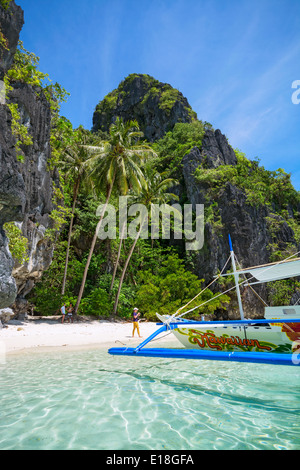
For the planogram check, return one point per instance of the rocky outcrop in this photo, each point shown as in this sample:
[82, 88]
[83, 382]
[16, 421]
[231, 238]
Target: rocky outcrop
[12, 196]
[11, 23]
[215, 151]
[38, 186]
[156, 106]
[248, 224]
[26, 188]
[6, 314]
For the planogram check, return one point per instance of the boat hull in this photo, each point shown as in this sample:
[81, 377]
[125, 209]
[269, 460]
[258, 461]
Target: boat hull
[281, 338]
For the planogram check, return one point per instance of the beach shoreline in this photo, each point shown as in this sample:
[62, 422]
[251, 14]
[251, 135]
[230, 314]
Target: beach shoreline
[41, 335]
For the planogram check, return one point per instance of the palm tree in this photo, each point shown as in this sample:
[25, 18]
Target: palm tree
[75, 167]
[153, 193]
[118, 257]
[116, 162]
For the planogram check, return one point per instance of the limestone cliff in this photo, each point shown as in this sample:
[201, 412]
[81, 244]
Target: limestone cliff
[254, 228]
[155, 105]
[11, 23]
[234, 214]
[26, 188]
[38, 187]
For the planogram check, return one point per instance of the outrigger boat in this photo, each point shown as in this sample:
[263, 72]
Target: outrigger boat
[272, 340]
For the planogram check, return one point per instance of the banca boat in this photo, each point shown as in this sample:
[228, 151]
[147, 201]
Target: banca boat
[272, 340]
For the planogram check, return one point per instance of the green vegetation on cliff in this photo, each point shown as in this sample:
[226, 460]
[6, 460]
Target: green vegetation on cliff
[5, 4]
[25, 70]
[155, 105]
[109, 276]
[177, 143]
[262, 187]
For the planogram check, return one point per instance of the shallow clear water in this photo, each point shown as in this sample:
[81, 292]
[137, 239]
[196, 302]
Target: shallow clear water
[91, 400]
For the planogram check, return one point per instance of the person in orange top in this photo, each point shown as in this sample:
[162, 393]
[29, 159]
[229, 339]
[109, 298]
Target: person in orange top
[135, 319]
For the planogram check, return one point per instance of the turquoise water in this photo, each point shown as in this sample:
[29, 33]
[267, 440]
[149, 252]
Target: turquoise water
[91, 400]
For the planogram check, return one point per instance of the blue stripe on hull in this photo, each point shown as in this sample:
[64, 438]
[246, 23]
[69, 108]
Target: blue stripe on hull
[184, 323]
[257, 357]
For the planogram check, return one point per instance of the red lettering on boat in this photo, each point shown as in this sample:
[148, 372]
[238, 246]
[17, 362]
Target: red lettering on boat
[210, 340]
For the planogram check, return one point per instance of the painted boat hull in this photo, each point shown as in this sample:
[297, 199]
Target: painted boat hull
[281, 338]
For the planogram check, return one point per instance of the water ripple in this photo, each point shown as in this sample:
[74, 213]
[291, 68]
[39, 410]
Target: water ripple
[90, 400]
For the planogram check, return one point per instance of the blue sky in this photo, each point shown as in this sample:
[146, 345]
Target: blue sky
[234, 60]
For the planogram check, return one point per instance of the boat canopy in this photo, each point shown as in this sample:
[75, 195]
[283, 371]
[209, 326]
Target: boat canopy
[274, 271]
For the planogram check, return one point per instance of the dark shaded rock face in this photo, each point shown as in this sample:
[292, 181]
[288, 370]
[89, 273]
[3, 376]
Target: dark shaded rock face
[11, 23]
[215, 151]
[38, 186]
[26, 188]
[8, 288]
[156, 106]
[12, 187]
[12, 196]
[247, 224]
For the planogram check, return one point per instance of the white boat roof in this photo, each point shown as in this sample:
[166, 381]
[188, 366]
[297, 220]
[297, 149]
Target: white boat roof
[274, 271]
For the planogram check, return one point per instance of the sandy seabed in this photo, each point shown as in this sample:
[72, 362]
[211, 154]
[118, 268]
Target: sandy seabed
[35, 335]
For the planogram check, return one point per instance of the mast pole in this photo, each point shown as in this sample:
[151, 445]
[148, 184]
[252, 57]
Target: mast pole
[236, 279]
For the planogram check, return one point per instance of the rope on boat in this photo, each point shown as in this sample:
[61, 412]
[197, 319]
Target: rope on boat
[258, 296]
[157, 339]
[203, 290]
[154, 339]
[223, 293]
[249, 285]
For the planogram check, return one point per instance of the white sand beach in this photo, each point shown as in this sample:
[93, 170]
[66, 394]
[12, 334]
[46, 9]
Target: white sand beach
[32, 335]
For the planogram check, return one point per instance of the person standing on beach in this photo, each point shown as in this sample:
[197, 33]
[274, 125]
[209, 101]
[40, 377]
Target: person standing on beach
[63, 312]
[135, 319]
[70, 313]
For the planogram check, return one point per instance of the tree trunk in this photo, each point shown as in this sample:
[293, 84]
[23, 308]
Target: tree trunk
[125, 268]
[76, 189]
[92, 249]
[117, 260]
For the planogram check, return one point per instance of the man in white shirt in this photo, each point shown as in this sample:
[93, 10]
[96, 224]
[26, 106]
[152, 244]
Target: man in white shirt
[63, 312]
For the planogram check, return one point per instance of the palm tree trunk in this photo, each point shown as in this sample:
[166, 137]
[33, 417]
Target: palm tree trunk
[125, 268]
[76, 189]
[117, 260]
[92, 249]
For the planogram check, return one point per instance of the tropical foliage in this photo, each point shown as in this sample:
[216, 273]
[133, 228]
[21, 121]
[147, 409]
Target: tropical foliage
[155, 191]
[261, 186]
[116, 163]
[18, 244]
[170, 286]
[5, 4]
[177, 143]
[105, 277]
